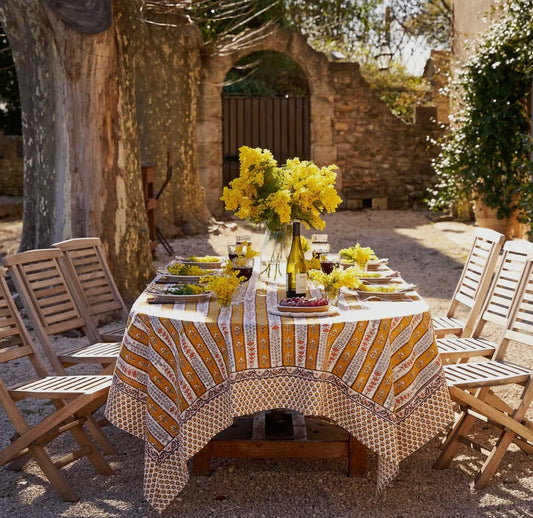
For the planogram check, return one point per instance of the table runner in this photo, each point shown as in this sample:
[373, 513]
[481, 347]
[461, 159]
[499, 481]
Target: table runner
[185, 370]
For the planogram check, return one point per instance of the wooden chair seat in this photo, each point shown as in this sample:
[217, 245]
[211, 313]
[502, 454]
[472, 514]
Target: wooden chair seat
[63, 387]
[463, 348]
[103, 352]
[74, 399]
[447, 326]
[483, 374]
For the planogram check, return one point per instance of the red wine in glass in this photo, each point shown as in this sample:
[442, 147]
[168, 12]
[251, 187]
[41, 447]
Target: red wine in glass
[244, 271]
[327, 266]
[232, 256]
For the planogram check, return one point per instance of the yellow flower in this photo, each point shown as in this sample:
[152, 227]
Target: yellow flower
[224, 285]
[305, 244]
[358, 254]
[246, 251]
[266, 193]
[338, 278]
[312, 264]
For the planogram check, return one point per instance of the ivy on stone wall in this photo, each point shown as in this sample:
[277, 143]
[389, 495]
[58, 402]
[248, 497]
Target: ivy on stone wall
[487, 153]
[398, 89]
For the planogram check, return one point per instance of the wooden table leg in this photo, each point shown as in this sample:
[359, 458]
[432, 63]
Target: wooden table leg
[356, 458]
[201, 462]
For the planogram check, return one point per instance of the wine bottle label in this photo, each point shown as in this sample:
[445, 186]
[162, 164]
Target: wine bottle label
[301, 282]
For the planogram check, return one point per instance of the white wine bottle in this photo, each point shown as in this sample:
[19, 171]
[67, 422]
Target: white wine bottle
[296, 269]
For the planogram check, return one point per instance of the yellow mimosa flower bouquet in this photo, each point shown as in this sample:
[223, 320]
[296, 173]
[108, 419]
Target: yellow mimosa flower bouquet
[266, 193]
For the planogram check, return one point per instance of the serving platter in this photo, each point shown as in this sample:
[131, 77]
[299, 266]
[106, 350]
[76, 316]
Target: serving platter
[163, 289]
[385, 278]
[304, 309]
[333, 310]
[203, 264]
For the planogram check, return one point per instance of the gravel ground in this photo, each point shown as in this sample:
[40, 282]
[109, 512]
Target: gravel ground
[426, 251]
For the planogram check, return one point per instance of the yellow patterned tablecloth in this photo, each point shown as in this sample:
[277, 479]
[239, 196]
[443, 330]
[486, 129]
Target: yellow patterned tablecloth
[185, 370]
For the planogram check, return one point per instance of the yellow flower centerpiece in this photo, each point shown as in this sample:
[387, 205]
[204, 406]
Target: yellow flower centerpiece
[357, 254]
[334, 281]
[266, 194]
[223, 285]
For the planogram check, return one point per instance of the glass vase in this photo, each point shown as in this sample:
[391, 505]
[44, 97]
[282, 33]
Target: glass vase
[274, 251]
[332, 294]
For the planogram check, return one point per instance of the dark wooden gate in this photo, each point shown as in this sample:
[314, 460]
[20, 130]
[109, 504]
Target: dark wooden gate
[276, 123]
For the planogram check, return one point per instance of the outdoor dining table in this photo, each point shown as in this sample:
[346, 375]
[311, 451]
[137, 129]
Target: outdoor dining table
[186, 369]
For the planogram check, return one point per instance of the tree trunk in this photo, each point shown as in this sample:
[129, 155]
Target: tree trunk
[88, 101]
[81, 160]
[167, 93]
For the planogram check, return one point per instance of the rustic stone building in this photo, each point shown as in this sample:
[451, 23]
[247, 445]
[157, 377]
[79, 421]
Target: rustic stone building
[383, 161]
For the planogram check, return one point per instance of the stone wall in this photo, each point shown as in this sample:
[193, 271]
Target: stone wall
[11, 163]
[385, 162]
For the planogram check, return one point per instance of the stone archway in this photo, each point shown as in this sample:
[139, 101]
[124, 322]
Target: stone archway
[209, 125]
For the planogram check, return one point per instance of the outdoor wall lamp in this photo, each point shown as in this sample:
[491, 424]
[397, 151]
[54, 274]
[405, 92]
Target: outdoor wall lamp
[384, 57]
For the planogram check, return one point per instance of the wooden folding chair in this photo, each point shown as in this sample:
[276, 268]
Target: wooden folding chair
[54, 308]
[472, 387]
[496, 307]
[90, 273]
[74, 398]
[473, 284]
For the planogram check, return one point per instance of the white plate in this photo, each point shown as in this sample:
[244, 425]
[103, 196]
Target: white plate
[165, 298]
[385, 278]
[168, 278]
[400, 293]
[201, 264]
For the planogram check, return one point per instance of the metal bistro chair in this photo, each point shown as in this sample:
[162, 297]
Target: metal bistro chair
[472, 285]
[472, 387]
[90, 274]
[74, 398]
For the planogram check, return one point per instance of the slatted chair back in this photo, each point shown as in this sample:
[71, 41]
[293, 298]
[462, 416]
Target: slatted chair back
[472, 385]
[473, 284]
[73, 397]
[503, 290]
[15, 341]
[87, 264]
[50, 303]
[496, 307]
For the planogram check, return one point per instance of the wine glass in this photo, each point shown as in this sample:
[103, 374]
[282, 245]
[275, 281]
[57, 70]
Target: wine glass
[244, 268]
[243, 239]
[232, 252]
[328, 262]
[317, 249]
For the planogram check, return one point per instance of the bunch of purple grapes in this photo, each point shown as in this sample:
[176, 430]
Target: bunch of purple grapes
[303, 302]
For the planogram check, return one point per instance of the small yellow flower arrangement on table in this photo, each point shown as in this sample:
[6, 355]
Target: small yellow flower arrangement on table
[357, 254]
[334, 281]
[245, 251]
[223, 285]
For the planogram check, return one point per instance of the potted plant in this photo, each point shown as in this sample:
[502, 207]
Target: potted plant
[486, 155]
